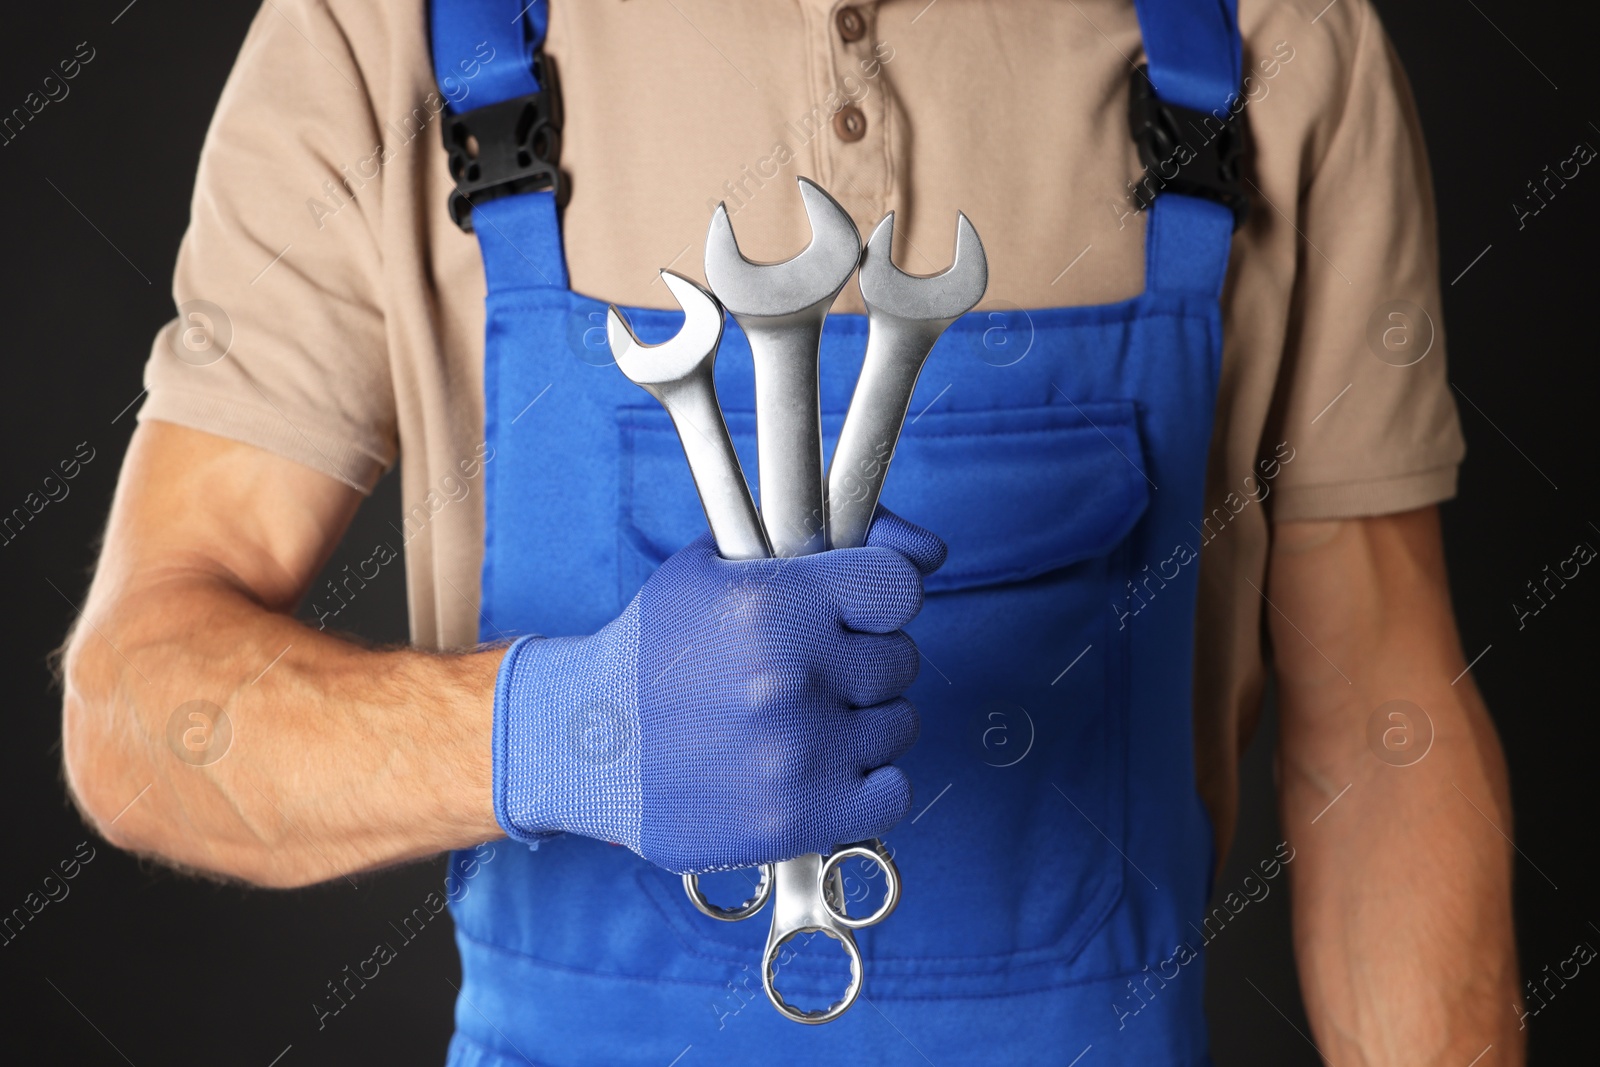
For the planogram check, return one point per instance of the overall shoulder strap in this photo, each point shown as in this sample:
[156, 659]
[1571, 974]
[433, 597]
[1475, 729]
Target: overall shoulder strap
[503, 135]
[1193, 52]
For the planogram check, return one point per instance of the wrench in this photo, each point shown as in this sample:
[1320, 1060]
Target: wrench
[781, 307]
[678, 373]
[906, 314]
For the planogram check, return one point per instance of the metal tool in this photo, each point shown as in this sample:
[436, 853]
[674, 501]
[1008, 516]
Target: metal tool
[809, 898]
[678, 373]
[781, 308]
[810, 894]
[906, 314]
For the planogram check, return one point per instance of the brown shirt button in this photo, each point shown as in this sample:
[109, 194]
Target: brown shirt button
[852, 26]
[850, 123]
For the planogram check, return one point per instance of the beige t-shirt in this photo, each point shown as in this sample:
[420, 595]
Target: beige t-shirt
[352, 313]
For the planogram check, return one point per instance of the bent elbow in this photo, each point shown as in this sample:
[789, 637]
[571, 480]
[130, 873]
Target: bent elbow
[122, 797]
[94, 772]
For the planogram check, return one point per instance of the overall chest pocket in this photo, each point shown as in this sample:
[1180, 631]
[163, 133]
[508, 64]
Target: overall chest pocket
[1015, 493]
[1023, 691]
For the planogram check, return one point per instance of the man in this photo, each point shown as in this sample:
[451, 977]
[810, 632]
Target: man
[1188, 429]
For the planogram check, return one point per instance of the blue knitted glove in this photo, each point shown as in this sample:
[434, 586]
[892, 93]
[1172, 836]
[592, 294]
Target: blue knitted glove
[737, 713]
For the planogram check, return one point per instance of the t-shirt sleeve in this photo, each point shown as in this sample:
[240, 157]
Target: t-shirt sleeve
[280, 336]
[1363, 399]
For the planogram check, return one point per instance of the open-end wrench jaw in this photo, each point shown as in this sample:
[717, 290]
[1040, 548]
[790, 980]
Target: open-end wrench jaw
[654, 366]
[781, 308]
[937, 299]
[680, 374]
[775, 290]
[906, 313]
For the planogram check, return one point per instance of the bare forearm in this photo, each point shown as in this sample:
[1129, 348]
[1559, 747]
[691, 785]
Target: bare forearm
[341, 758]
[1393, 792]
[1401, 885]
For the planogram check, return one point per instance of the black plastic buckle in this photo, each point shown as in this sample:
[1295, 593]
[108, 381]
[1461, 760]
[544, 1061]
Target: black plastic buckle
[506, 148]
[1186, 151]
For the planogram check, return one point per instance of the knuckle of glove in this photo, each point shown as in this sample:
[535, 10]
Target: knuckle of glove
[877, 590]
[785, 809]
[925, 549]
[798, 763]
[884, 800]
[776, 695]
[896, 661]
[896, 796]
[776, 592]
[870, 669]
[890, 734]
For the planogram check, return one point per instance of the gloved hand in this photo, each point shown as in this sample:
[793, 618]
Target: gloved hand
[737, 713]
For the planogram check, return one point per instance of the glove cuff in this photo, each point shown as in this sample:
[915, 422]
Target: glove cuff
[566, 737]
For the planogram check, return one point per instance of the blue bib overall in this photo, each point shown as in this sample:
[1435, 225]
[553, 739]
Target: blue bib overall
[1053, 894]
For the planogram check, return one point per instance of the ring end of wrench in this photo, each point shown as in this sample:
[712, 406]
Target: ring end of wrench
[736, 913]
[769, 976]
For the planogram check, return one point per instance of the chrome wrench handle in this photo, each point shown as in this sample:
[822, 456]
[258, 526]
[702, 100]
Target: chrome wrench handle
[872, 426]
[789, 428]
[906, 314]
[735, 525]
[679, 374]
[782, 307]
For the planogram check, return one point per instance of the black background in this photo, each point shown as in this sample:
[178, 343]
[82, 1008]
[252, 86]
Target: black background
[144, 966]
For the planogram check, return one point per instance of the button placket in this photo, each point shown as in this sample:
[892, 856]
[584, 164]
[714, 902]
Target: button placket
[858, 147]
